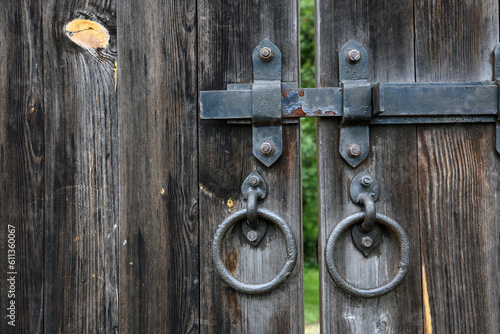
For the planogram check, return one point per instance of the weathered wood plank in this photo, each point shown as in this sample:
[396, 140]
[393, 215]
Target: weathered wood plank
[21, 165]
[385, 29]
[458, 178]
[229, 31]
[81, 169]
[159, 266]
[458, 174]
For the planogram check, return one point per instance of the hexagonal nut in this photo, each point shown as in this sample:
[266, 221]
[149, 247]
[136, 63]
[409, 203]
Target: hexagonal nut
[266, 54]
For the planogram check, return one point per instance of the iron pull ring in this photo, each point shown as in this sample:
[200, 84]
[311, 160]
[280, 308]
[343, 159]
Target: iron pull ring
[291, 252]
[337, 276]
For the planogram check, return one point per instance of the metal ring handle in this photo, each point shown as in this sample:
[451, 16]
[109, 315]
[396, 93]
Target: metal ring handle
[291, 252]
[340, 280]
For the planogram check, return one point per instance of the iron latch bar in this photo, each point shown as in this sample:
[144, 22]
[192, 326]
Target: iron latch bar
[268, 103]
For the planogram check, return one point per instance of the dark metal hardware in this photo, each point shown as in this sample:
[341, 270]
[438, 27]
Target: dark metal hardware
[253, 188]
[358, 103]
[366, 235]
[366, 241]
[330, 253]
[364, 190]
[291, 252]
[259, 102]
[496, 75]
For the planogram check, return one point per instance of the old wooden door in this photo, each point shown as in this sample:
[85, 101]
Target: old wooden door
[112, 188]
[440, 182]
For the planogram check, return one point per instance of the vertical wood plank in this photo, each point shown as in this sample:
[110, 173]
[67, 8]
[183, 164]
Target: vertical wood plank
[385, 29]
[21, 166]
[458, 174]
[159, 259]
[229, 31]
[81, 183]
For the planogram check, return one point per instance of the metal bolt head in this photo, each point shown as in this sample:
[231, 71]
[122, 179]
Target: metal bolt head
[266, 54]
[266, 148]
[366, 181]
[254, 181]
[354, 150]
[252, 236]
[366, 242]
[354, 56]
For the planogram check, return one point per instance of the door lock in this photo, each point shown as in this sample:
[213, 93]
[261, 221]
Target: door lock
[268, 103]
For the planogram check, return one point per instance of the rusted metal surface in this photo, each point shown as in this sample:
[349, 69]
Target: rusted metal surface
[236, 104]
[312, 102]
[473, 100]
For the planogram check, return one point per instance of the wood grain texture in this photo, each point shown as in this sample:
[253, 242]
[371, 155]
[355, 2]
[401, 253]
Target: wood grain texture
[459, 174]
[159, 255]
[229, 31]
[81, 173]
[22, 162]
[385, 29]
[458, 190]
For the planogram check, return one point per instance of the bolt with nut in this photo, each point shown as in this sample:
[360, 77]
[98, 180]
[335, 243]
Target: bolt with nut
[254, 181]
[367, 242]
[354, 56]
[266, 54]
[366, 181]
[354, 150]
[266, 148]
[252, 236]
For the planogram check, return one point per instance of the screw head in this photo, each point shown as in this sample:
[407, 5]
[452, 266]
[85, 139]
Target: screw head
[254, 181]
[354, 56]
[252, 236]
[354, 150]
[266, 148]
[266, 54]
[366, 242]
[366, 181]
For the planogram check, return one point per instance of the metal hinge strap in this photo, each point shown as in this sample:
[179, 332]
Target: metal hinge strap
[357, 103]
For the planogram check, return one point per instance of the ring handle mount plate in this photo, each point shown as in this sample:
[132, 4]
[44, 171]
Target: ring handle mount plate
[366, 242]
[291, 251]
[250, 181]
[364, 189]
[363, 184]
[254, 232]
[337, 277]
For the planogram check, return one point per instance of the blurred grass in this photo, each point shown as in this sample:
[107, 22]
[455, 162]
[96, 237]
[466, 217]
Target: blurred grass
[311, 295]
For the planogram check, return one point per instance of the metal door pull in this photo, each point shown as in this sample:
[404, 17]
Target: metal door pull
[254, 188]
[341, 281]
[366, 236]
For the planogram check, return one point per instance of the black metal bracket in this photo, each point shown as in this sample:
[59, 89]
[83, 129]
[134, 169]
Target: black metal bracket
[268, 103]
[356, 102]
[259, 101]
[364, 190]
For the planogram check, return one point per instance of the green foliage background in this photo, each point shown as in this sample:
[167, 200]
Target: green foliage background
[308, 136]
